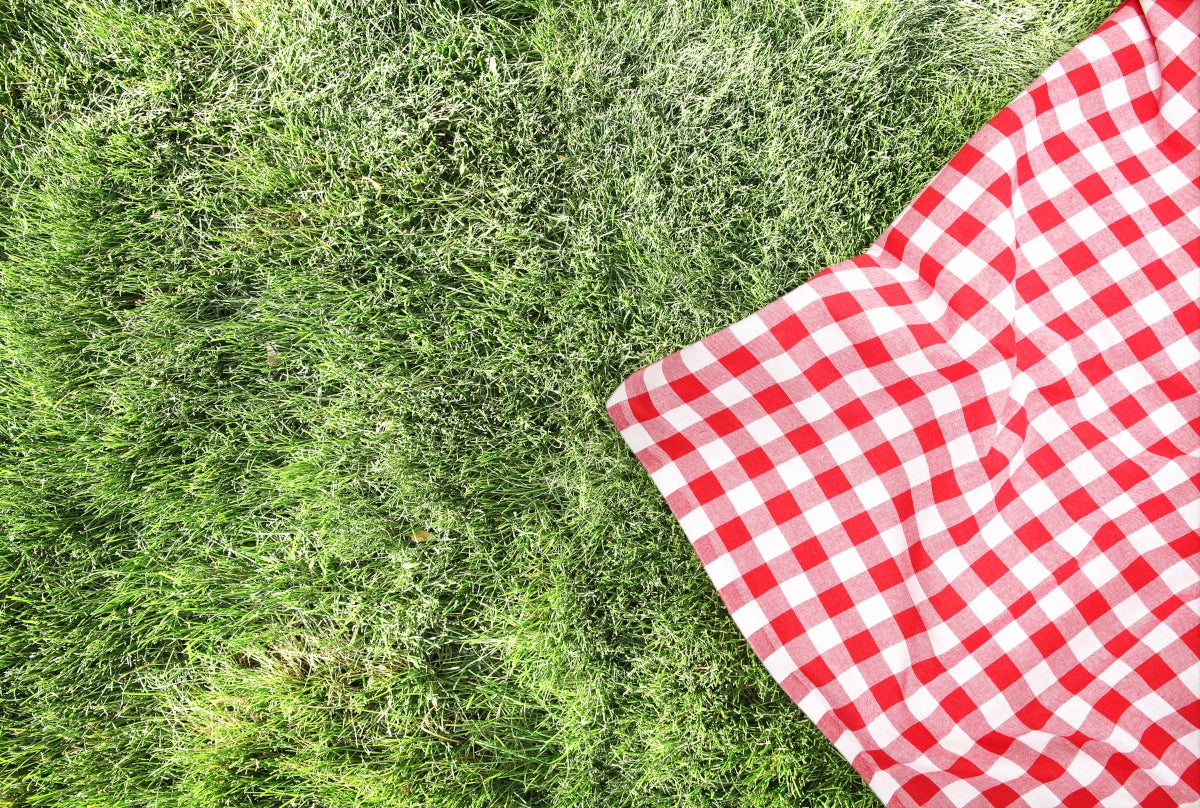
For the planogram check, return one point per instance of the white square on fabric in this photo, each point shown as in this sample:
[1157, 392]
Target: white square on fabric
[1169, 178]
[731, 392]
[848, 564]
[1118, 506]
[682, 417]
[871, 492]
[1134, 377]
[1182, 574]
[986, 606]
[965, 670]
[978, 497]
[844, 448]
[942, 639]
[1131, 610]
[1005, 770]
[1091, 403]
[750, 618]
[929, 520]
[821, 517]
[780, 664]
[852, 681]
[695, 357]
[926, 234]
[1074, 711]
[745, 498]
[1160, 637]
[960, 792]
[882, 730]
[749, 328]
[1055, 603]
[967, 339]
[1075, 538]
[1063, 360]
[668, 479]
[798, 590]
[1129, 199]
[1099, 156]
[781, 367]
[1086, 222]
[637, 437]
[1167, 418]
[723, 571]
[863, 382]
[696, 524]
[1030, 572]
[1103, 335]
[874, 610]
[885, 320]
[772, 544]
[896, 656]
[1083, 643]
[1120, 264]
[1010, 636]
[765, 430]
[1053, 181]
[716, 453]
[893, 423]
[824, 636]
[996, 377]
[1154, 706]
[965, 193]
[1040, 497]
[921, 703]
[957, 741]
[916, 469]
[830, 338]
[1070, 294]
[952, 564]
[1181, 352]
[996, 710]
[1042, 795]
[962, 451]
[1099, 570]
[1084, 768]
[1040, 678]
[1126, 443]
[884, 785]
[944, 400]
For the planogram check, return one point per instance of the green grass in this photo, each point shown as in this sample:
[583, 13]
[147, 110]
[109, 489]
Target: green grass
[308, 314]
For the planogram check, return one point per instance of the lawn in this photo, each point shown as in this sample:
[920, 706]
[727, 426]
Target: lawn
[308, 314]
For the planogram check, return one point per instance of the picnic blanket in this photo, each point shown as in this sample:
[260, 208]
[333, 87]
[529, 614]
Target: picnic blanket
[948, 489]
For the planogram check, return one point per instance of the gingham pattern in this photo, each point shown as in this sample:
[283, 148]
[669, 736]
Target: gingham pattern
[948, 489]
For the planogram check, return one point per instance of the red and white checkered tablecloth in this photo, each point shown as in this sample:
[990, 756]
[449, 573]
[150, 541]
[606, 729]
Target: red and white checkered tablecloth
[950, 489]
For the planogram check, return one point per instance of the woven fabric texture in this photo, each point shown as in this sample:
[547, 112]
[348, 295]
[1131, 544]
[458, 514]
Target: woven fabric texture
[948, 489]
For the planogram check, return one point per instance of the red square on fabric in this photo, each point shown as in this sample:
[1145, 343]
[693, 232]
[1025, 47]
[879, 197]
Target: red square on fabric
[833, 482]
[786, 626]
[836, 600]
[882, 458]
[756, 462]
[734, 534]
[773, 399]
[783, 508]
[760, 580]
[688, 388]
[739, 361]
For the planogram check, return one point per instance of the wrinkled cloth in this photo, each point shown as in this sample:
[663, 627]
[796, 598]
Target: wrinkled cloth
[948, 489]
